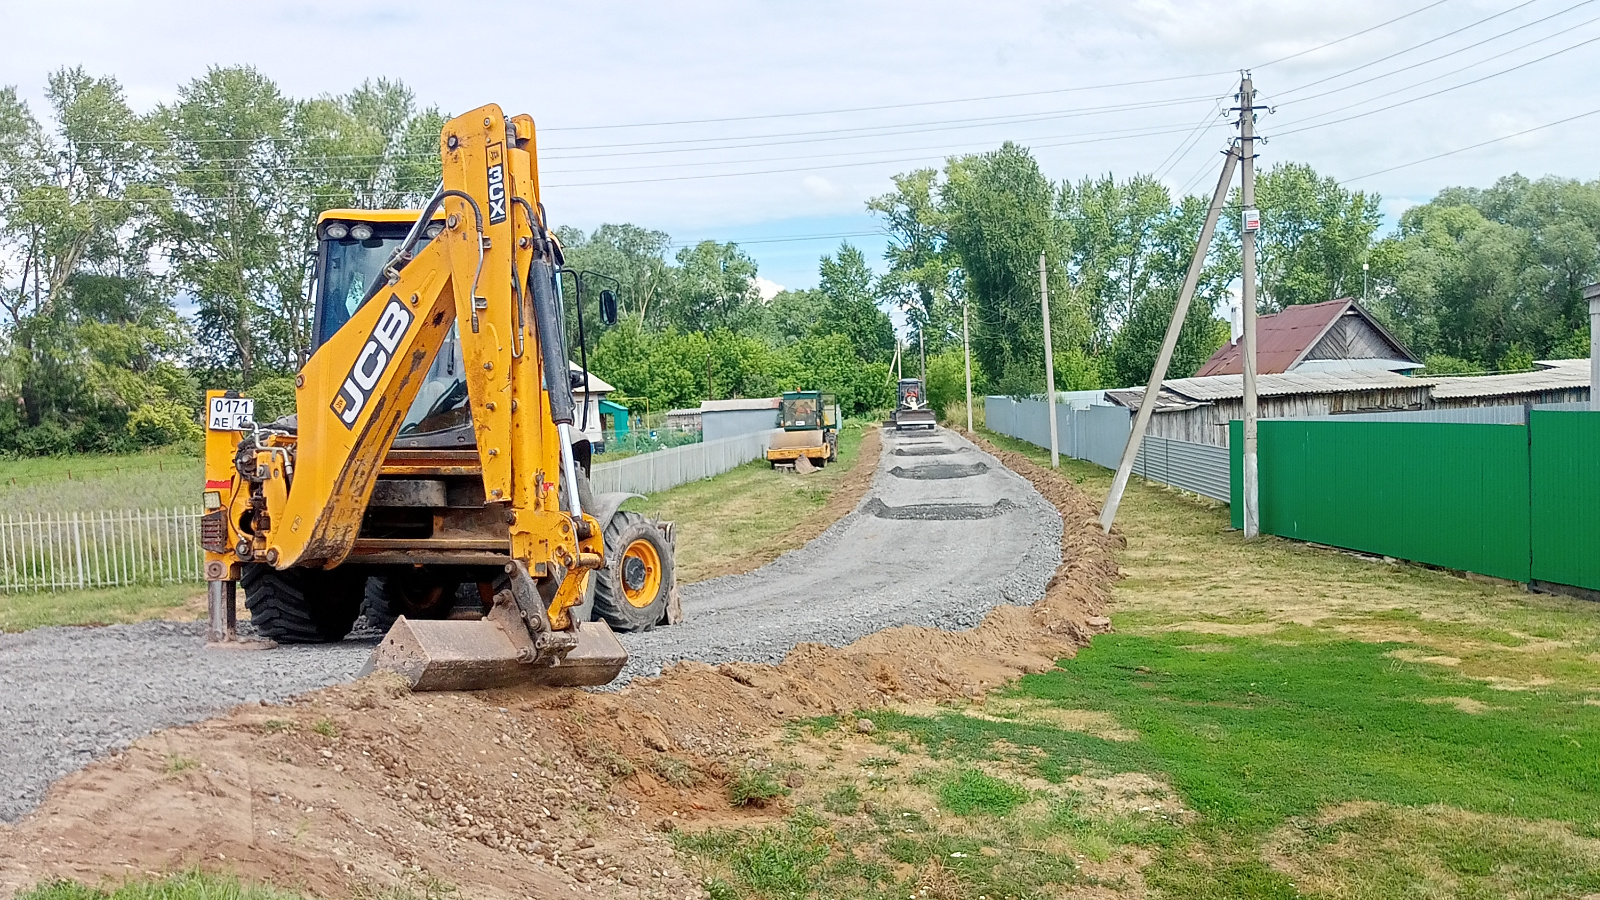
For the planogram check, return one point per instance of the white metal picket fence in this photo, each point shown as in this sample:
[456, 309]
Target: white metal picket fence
[112, 548]
[103, 548]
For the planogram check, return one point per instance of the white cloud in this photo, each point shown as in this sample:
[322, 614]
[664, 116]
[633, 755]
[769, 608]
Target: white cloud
[768, 288]
[629, 62]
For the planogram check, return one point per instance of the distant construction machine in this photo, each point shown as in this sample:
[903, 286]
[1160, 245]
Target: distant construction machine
[911, 407]
[431, 475]
[810, 423]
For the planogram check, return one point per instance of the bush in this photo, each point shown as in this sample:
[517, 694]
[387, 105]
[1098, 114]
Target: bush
[162, 422]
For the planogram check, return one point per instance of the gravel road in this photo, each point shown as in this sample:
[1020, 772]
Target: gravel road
[944, 534]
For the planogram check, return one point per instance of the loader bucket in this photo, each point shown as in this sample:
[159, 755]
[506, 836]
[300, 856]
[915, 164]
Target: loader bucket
[451, 655]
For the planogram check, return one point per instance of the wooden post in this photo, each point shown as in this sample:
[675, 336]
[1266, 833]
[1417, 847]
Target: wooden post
[1049, 366]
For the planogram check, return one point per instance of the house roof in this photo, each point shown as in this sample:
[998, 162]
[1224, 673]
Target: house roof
[1557, 375]
[1284, 338]
[1180, 394]
[596, 384]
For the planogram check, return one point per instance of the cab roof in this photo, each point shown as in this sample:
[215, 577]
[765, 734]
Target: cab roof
[406, 216]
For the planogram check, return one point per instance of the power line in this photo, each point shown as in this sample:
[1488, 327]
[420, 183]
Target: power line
[1406, 50]
[1353, 35]
[1446, 90]
[1497, 140]
[1455, 52]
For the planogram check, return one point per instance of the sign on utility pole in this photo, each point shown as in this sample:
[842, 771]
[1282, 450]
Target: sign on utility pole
[1251, 224]
[1049, 366]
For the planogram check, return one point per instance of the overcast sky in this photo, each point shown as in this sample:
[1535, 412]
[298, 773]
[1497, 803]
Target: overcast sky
[819, 103]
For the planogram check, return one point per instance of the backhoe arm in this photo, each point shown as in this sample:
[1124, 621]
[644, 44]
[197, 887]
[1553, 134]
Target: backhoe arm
[491, 271]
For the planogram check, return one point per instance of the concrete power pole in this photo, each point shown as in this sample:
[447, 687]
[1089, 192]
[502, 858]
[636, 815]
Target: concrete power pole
[1592, 294]
[1049, 366]
[1251, 222]
[966, 351]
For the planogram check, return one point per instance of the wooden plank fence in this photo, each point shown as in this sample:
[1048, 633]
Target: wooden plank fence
[99, 548]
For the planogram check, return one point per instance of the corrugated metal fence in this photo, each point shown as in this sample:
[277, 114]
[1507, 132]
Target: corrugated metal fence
[40, 552]
[1099, 434]
[1515, 500]
[664, 469]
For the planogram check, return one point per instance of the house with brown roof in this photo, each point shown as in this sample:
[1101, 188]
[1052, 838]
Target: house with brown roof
[1335, 336]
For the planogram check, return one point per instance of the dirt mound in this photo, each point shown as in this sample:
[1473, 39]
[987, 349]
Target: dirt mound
[541, 792]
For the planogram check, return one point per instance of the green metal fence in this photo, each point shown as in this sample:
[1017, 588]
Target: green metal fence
[1564, 470]
[1516, 501]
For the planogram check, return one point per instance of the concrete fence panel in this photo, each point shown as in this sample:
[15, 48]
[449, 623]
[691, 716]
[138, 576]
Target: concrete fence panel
[662, 470]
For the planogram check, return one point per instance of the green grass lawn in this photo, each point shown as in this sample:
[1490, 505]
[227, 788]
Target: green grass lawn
[1269, 720]
[748, 513]
[54, 484]
[102, 606]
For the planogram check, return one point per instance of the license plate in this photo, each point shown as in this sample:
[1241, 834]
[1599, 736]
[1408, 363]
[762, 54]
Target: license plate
[230, 413]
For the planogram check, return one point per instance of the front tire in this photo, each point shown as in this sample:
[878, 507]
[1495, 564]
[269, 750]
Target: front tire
[415, 596]
[632, 588]
[302, 606]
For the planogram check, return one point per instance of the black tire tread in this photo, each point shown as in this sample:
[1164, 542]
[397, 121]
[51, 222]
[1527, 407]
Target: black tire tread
[280, 608]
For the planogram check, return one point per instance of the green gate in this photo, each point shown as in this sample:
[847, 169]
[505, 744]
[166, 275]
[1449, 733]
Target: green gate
[1565, 460]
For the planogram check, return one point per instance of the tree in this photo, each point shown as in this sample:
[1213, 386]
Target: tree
[635, 256]
[921, 278]
[714, 287]
[1314, 236]
[999, 208]
[1115, 228]
[850, 308]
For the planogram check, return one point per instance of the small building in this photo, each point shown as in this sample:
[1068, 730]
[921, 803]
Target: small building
[614, 418]
[1335, 336]
[1199, 409]
[587, 402]
[683, 421]
[731, 418]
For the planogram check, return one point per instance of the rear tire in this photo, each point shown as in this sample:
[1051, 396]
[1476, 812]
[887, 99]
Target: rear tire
[632, 588]
[302, 606]
[415, 597]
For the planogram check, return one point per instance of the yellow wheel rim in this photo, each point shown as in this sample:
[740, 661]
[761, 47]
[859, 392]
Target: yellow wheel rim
[641, 574]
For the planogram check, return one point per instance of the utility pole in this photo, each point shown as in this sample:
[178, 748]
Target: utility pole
[1147, 405]
[1364, 268]
[1251, 223]
[1049, 366]
[966, 351]
[922, 351]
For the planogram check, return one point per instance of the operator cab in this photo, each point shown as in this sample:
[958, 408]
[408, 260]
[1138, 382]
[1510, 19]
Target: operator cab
[352, 248]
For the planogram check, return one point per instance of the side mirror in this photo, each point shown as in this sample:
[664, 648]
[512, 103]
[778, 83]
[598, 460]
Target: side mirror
[608, 307]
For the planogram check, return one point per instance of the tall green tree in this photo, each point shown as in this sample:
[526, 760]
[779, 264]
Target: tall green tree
[922, 278]
[714, 287]
[1314, 236]
[850, 306]
[1000, 210]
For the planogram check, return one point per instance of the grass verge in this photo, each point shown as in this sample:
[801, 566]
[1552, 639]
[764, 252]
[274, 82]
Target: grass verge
[1269, 720]
[66, 484]
[102, 606]
[742, 519]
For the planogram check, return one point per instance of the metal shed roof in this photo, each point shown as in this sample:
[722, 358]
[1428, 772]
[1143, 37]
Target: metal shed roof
[1559, 375]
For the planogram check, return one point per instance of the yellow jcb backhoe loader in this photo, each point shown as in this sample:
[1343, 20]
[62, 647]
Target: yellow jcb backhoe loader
[430, 475]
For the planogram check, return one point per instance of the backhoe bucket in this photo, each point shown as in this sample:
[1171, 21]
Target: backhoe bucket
[452, 655]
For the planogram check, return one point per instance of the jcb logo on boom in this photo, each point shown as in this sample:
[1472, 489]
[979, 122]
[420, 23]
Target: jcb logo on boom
[497, 187]
[372, 361]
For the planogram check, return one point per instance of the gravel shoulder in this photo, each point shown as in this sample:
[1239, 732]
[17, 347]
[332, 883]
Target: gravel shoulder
[944, 535]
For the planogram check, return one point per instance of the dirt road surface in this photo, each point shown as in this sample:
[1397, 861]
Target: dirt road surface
[944, 534]
[541, 792]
